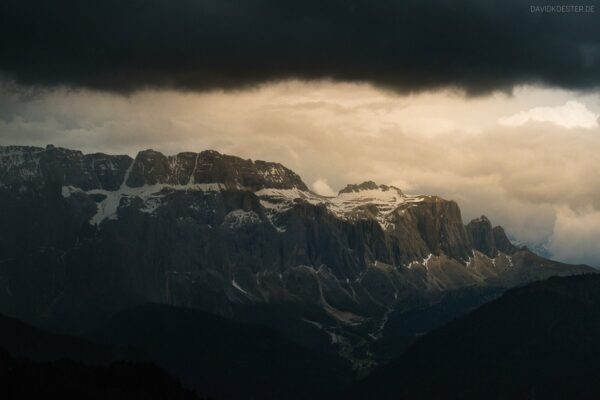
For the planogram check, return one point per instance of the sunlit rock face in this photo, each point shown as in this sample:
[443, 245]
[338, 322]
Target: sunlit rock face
[84, 235]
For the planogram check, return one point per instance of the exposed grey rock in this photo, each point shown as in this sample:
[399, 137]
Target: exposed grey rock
[482, 236]
[152, 167]
[37, 166]
[368, 185]
[502, 242]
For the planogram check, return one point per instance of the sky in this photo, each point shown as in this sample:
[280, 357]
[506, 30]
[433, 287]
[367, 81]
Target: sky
[483, 102]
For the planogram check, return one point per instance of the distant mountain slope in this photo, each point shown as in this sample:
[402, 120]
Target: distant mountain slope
[224, 358]
[39, 364]
[22, 340]
[218, 357]
[403, 327]
[541, 341]
[83, 236]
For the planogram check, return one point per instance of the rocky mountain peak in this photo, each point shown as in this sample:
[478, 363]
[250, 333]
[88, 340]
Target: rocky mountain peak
[482, 237]
[152, 167]
[481, 220]
[502, 241]
[37, 165]
[368, 185]
[489, 239]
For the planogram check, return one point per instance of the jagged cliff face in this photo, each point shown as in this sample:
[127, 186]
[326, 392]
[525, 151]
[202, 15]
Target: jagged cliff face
[99, 232]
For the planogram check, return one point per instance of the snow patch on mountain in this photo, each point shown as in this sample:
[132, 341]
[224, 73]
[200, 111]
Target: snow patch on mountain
[349, 204]
[238, 287]
[424, 262]
[239, 218]
[151, 195]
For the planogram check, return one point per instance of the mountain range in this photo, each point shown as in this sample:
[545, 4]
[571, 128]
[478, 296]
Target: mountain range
[86, 236]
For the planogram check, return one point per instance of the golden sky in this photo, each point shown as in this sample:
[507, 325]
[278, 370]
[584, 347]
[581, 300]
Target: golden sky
[529, 160]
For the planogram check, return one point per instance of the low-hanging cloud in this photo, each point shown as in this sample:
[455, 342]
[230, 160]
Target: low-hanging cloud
[572, 114]
[575, 236]
[320, 186]
[405, 45]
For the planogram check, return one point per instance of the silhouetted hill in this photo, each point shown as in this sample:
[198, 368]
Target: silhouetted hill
[404, 327]
[66, 379]
[225, 358]
[38, 364]
[541, 341]
[220, 357]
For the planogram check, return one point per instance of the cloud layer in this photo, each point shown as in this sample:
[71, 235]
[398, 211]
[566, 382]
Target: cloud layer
[405, 45]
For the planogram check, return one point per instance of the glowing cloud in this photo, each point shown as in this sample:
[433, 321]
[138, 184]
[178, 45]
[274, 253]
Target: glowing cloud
[572, 114]
[571, 238]
[320, 186]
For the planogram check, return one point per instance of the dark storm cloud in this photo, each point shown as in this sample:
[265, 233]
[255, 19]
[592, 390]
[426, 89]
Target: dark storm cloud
[123, 46]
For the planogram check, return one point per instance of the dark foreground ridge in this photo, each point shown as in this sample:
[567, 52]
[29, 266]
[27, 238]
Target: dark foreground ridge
[224, 358]
[66, 379]
[38, 364]
[216, 357]
[539, 341]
